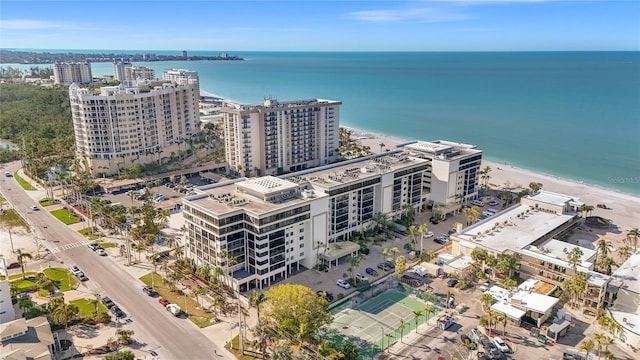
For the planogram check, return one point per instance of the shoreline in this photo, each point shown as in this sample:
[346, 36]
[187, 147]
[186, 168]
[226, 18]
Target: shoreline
[624, 207]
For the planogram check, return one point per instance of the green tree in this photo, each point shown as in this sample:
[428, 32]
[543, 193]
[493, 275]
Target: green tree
[296, 311]
[423, 229]
[587, 346]
[65, 313]
[486, 300]
[401, 265]
[21, 260]
[121, 355]
[535, 187]
[125, 336]
[257, 299]
[416, 317]
[428, 310]
[509, 284]
[632, 238]
[401, 327]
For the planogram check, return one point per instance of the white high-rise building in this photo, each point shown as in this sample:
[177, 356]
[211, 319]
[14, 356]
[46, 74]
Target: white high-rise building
[120, 70]
[72, 72]
[280, 137]
[183, 77]
[453, 171]
[136, 122]
[136, 72]
[273, 226]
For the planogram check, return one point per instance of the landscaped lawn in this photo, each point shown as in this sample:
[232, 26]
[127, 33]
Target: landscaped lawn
[19, 276]
[198, 316]
[23, 284]
[107, 245]
[63, 280]
[46, 202]
[87, 307]
[11, 218]
[64, 216]
[24, 183]
[87, 232]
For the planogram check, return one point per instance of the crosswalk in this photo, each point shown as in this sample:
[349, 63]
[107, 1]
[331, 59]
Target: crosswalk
[69, 246]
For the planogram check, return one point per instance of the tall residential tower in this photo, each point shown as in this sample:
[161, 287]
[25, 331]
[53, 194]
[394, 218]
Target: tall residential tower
[280, 137]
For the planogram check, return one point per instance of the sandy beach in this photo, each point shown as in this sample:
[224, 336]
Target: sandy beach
[625, 208]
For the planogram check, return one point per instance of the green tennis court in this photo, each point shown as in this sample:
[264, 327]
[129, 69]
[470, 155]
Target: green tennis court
[381, 318]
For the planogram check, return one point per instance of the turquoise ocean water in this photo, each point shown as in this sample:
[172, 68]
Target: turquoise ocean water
[574, 115]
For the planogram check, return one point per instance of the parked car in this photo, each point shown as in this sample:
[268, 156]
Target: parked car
[94, 246]
[149, 291]
[603, 206]
[452, 282]
[14, 265]
[107, 302]
[118, 312]
[383, 266]
[428, 234]
[477, 203]
[343, 284]
[371, 271]
[163, 301]
[500, 344]
[494, 203]
[475, 333]
[360, 277]
[390, 264]
[75, 270]
[101, 252]
[82, 276]
[326, 295]
[485, 286]
[452, 231]
[464, 338]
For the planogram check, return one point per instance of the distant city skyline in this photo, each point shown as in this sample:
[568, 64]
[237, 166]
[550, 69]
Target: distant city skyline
[445, 25]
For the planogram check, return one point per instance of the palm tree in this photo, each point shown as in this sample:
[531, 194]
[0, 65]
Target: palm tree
[412, 233]
[632, 237]
[575, 258]
[21, 261]
[179, 252]
[395, 252]
[625, 252]
[428, 309]
[64, 313]
[486, 300]
[587, 346]
[600, 340]
[423, 229]
[124, 336]
[257, 298]
[479, 255]
[416, 316]
[602, 250]
[401, 328]
[467, 344]
[535, 187]
[503, 319]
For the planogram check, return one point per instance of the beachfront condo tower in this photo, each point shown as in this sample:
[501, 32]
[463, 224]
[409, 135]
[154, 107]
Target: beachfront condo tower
[453, 173]
[136, 122]
[280, 137]
[72, 72]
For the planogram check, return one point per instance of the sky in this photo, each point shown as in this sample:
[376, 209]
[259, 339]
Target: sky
[301, 25]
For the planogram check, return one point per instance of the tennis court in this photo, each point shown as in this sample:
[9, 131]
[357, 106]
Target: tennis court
[380, 317]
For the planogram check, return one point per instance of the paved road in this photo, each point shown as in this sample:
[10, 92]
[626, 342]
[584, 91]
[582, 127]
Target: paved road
[170, 337]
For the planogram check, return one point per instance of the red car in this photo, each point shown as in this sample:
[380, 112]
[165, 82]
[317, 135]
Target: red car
[163, 301]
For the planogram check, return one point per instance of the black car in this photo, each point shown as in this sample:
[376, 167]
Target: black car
[117, 311]
[326, 295]
[464, 338]
[383, 266]
[390, 264]
[108, 302]
[452, 282]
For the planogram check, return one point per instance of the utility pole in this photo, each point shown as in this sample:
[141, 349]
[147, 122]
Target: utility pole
[11, 240]
[240, 324]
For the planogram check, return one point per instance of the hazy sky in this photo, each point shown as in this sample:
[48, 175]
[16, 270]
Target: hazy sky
[299, 25]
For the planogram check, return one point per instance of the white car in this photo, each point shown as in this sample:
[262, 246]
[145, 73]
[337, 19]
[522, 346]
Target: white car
[477, 203]
[485, 286]
[101, 252]
[75, 270]
[501, 344]
[34, 207]
[494, 202]
[428, 234]
[343, 284]
[360, 277]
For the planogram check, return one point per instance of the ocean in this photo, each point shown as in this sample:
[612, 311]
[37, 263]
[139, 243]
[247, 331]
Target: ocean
[574, 115]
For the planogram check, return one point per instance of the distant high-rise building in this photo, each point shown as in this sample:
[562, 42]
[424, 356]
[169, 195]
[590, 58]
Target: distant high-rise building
[72, 72]
[184, 54]
[120, 70]
[136, 122]
[136, 72]
[280, 137]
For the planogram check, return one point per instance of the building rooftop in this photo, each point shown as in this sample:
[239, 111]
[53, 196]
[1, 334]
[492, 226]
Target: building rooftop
[626, 276]
[514, 228]
[548, 197]
[444, 150]
[270, 103]
[257, 196]
[340, 174]
[521, 299]
[561, 250]
[29, 339]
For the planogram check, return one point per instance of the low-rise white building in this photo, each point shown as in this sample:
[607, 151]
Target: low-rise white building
[523, 302]
[7, 312]
[624, 292]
